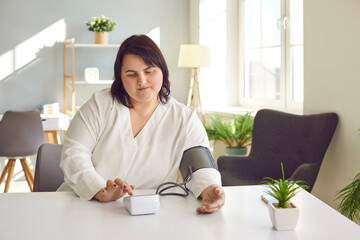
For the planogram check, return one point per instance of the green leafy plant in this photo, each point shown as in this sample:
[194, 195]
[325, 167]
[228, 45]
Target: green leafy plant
[350, 198]
[100, 24]
[282, 189]
[350, 203]
[236, 133]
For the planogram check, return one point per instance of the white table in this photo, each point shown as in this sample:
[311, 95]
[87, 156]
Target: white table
[244, 216]
[52, 123]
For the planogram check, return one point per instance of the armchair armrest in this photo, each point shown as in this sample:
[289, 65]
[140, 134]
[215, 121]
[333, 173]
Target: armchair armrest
[307, 172]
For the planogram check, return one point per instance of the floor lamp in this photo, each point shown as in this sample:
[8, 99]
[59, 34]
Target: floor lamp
[194, 56]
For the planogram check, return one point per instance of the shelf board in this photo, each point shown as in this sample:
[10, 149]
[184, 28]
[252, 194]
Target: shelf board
[97, 82]
[81, 45]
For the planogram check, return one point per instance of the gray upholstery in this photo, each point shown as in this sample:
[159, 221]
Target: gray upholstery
[299, 141]
[21, 134]
[48, 174]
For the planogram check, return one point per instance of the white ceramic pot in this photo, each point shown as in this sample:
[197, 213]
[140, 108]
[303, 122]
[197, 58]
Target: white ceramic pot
[283, 219]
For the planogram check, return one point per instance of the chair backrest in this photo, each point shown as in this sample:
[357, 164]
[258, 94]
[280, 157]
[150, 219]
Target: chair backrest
[21, 133]
[292, 139]
[48, 174]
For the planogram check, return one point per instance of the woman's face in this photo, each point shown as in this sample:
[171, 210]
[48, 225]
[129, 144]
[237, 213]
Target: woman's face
[141, 81]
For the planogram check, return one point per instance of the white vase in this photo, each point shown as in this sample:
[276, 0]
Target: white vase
[283, 219]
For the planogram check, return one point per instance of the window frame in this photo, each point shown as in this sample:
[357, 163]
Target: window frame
[285, 102]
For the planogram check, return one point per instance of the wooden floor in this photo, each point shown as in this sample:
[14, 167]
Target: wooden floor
[16, 186]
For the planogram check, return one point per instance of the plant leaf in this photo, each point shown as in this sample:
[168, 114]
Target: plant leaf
[236, 133]
[283, 190]
[100, 24]
[350, 203]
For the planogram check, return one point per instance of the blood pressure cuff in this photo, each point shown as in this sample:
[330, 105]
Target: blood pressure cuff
[196, 158]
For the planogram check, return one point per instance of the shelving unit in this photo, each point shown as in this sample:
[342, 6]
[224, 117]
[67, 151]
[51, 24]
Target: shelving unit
[69, 79]
[96, 83]
[69, 43]
[79, 45]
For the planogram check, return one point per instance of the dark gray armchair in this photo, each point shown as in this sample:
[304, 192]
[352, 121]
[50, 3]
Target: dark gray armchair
[299, 141]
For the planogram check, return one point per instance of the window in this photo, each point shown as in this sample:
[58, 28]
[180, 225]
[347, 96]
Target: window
[271, 53]
[257, 53]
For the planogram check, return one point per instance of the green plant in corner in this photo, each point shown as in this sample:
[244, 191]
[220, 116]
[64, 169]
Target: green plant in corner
[236, 133]
[100, 24]
[283, 190]
[350, 203]
[350, 195]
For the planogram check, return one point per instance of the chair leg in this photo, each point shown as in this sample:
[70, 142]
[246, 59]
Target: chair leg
[52, 136]
[27, 177]
[4, 172]
[28, 174]
[10, 173]
[49, 136]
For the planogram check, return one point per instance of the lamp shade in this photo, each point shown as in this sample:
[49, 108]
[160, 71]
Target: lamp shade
[194, 55]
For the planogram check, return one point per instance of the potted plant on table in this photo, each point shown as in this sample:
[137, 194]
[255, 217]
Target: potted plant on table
[101, 26]
[236, 133]
[283, 214]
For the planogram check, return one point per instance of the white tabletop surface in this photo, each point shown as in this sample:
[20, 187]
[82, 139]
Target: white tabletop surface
[244, 216]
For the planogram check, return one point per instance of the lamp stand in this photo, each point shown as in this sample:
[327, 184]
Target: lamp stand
[194, 93]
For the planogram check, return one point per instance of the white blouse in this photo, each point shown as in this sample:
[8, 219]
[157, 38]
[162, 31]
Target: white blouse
[100, 146]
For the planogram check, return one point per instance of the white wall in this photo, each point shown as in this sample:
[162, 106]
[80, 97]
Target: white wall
[332, 83]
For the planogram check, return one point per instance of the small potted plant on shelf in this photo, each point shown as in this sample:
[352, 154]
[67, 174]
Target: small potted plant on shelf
[236, 133]
[283, 214]
[101, 26]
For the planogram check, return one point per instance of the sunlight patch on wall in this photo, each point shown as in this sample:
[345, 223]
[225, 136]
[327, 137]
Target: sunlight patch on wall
[26, 52]
[7, 64]
[155, 35]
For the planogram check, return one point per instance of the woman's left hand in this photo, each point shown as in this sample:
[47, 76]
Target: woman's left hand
[213, 198]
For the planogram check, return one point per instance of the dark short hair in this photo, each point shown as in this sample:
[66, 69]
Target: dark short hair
[144, 47]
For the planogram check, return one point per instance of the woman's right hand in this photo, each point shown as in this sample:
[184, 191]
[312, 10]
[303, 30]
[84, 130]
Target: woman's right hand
[114, 190]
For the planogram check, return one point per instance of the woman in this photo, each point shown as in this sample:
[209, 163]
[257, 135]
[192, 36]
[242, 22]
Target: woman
[135, 134]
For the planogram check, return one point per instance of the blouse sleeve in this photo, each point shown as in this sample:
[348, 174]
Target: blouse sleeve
[81, 137]
[196, 136]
